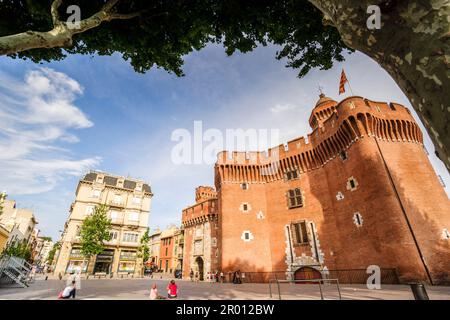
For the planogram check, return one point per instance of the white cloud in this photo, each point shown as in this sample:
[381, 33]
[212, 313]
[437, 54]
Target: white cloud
[282, 108]
[35, 118]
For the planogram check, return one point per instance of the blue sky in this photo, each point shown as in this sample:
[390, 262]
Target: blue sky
[59, 119]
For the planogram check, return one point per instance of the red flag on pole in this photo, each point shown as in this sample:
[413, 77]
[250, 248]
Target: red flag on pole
[342, 82]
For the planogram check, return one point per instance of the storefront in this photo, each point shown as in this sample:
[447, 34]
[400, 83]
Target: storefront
[127, 261]
[103, 261]
[77, 263]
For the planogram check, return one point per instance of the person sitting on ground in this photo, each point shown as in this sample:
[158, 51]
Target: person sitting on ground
[154, 293]
[69, 291]
[172, 290]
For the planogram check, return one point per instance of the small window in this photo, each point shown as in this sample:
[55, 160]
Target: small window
[244, 186]
[89, 210]
[113, 235]
[245, 207]
[352, 184]
[133, 216]
[96, 193]
[114, 215]
[247, 236]
[300, 233]
[357, 219]
[291, 175]
[295, 198]
[117, 199]
[343, 155]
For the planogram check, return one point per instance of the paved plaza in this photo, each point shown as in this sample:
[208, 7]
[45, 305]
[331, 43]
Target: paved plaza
[138, 289]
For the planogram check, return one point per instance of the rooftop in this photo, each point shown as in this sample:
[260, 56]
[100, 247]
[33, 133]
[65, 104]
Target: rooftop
[111, 180]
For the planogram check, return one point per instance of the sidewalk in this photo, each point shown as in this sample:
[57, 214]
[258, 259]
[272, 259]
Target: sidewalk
[138, 289]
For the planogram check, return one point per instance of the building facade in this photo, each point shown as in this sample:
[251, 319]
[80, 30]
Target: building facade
[201, 234]
[20, 223]
[4, 235]
[128, 201]
[358, 191]
[154, 246]
[41, 250]
[167, 257]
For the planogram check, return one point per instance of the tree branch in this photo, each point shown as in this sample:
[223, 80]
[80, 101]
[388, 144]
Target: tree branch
[108, 6]
[54, 11]
[123, 16]
[61, 34]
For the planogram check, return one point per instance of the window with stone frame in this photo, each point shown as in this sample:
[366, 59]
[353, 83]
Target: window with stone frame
[299, 233]
[291, 174]
[294, 198]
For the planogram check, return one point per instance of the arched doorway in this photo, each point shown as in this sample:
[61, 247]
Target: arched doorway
[199, 267]
[307, 273]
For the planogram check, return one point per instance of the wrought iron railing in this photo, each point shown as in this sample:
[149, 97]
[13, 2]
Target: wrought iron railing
[345, 276]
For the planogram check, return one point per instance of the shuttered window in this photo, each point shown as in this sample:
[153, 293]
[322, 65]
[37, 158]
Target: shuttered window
[295, 198]
[300, 234]
[291, 175]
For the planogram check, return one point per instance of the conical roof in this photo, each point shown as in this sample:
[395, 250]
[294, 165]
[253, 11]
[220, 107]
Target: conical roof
[323, 99]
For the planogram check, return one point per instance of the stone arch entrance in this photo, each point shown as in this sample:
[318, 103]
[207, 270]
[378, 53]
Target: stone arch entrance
[199, 267]
[307, 273]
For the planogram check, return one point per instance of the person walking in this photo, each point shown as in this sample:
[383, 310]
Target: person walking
[238, 277]
[172, 290]
[222, 277]
[191, 275]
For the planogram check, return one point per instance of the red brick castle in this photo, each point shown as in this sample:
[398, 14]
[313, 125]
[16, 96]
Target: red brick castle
[359, 191]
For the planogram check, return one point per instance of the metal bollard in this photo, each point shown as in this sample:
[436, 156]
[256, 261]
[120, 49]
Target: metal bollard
[419, 291]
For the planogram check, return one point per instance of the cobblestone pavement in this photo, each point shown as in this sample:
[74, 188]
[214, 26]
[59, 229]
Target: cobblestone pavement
[138, 289]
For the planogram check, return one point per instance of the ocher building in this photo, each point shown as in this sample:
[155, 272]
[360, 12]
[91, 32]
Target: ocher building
[359, 191]
[129, 205]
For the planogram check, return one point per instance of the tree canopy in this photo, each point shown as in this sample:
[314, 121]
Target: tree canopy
[19, 249]
[144, 250]
[411, 43]
[160, 33]
[52, 252]
[95, 230]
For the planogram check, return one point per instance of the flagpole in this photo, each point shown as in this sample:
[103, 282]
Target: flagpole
[350, 87]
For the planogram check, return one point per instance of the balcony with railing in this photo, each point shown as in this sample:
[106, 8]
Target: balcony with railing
[117, 204]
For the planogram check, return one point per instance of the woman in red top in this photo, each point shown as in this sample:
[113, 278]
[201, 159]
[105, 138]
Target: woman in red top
[172, 290]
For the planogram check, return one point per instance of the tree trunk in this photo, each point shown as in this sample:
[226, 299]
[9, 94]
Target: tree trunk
[412, 45]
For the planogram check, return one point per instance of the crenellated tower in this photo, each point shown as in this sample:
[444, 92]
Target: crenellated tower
[359, 190]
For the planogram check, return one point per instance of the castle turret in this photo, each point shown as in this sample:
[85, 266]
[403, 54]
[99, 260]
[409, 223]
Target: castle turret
[324, 108]
[204, 193]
